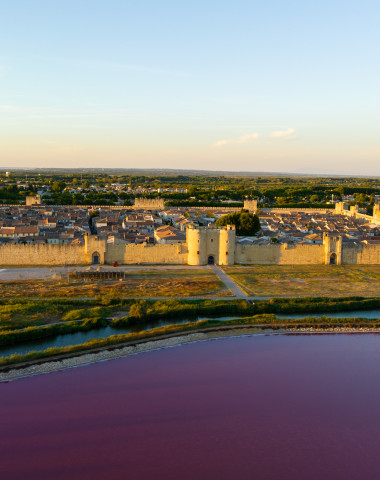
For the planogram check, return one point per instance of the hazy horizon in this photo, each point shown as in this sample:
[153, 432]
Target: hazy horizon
[181, 171]
[246, 87]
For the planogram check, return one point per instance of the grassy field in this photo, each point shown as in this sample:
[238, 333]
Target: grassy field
[22, 313]
[307, 280]
[142, 283]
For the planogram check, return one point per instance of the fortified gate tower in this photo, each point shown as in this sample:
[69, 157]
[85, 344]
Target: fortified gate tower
[209, 245]
[333, 249]
[95, 249]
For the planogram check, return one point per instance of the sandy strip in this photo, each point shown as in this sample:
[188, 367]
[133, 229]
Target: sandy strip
[88, 358]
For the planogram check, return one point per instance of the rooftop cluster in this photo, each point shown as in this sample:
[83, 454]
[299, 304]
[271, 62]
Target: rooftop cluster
[64, 225]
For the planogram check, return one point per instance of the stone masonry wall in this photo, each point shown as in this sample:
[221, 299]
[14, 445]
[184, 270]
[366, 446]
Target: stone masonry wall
[361, 255]
[145, 254]
[42, 254]
[52, 255]
[280, 254]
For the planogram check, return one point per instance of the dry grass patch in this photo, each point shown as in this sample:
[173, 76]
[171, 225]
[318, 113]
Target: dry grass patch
[308, 280]
[146, 283]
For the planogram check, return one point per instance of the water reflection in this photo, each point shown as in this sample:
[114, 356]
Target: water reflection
[104, 332]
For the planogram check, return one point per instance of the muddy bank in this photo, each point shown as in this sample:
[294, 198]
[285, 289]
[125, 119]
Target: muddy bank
[78, 359]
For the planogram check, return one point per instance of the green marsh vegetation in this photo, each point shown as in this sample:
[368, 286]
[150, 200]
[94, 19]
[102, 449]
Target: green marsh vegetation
[21, 313]
[262, 320]
[90, 315]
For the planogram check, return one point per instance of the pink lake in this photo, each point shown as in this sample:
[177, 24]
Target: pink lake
[262, 407]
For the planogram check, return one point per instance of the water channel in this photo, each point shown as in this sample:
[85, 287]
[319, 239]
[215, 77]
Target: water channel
[82, 337]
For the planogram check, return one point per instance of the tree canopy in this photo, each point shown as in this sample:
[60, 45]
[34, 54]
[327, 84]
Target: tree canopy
[246, 223]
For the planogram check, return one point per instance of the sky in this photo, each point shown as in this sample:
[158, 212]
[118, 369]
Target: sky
[280, 86]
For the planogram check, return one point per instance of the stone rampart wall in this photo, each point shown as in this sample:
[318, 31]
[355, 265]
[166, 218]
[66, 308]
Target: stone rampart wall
[94, 207]
[296, 210]
[280, 254]
[146, 253]
[52, 255]
[223, 209]
[361, 255]
[42, 254]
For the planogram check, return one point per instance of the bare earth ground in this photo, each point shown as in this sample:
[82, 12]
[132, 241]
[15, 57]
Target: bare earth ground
[305, 280]
[163, 282]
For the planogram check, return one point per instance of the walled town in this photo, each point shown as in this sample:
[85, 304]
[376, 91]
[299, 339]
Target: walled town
[148, 232]
[110, 251]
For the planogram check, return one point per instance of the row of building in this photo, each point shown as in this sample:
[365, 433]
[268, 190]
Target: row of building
[150, 222]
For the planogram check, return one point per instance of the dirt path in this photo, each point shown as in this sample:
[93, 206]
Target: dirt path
[358, 274]
[229, 282]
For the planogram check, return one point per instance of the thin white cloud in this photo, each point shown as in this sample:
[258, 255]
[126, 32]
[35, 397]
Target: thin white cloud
[288, 133]
[240, 140]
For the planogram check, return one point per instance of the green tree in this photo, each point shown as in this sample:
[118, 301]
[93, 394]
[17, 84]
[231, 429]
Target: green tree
[58, 186]
[246, 223]
[249, 224]
[361, 198]
[138, 309]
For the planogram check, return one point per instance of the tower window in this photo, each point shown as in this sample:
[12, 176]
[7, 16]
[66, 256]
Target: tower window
[212, 240]
[226, 253]
[198, 252]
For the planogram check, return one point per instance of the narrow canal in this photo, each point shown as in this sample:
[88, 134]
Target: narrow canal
[82, 337]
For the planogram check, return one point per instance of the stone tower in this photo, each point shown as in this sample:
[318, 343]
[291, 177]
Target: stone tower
[354, 209]
[376, 212]
[250, 205]
[95, 249]
[341, 207]
[333, 248]
[227, 240]
[33, 200]
[149, 204]
[209, 245]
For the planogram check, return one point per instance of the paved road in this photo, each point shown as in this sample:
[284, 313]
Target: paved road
[229, 282]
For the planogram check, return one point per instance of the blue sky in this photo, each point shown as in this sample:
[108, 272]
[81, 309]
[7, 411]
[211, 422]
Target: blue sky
[245, 85]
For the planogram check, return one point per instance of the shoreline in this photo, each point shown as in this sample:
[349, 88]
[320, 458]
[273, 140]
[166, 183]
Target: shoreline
[88, 358]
